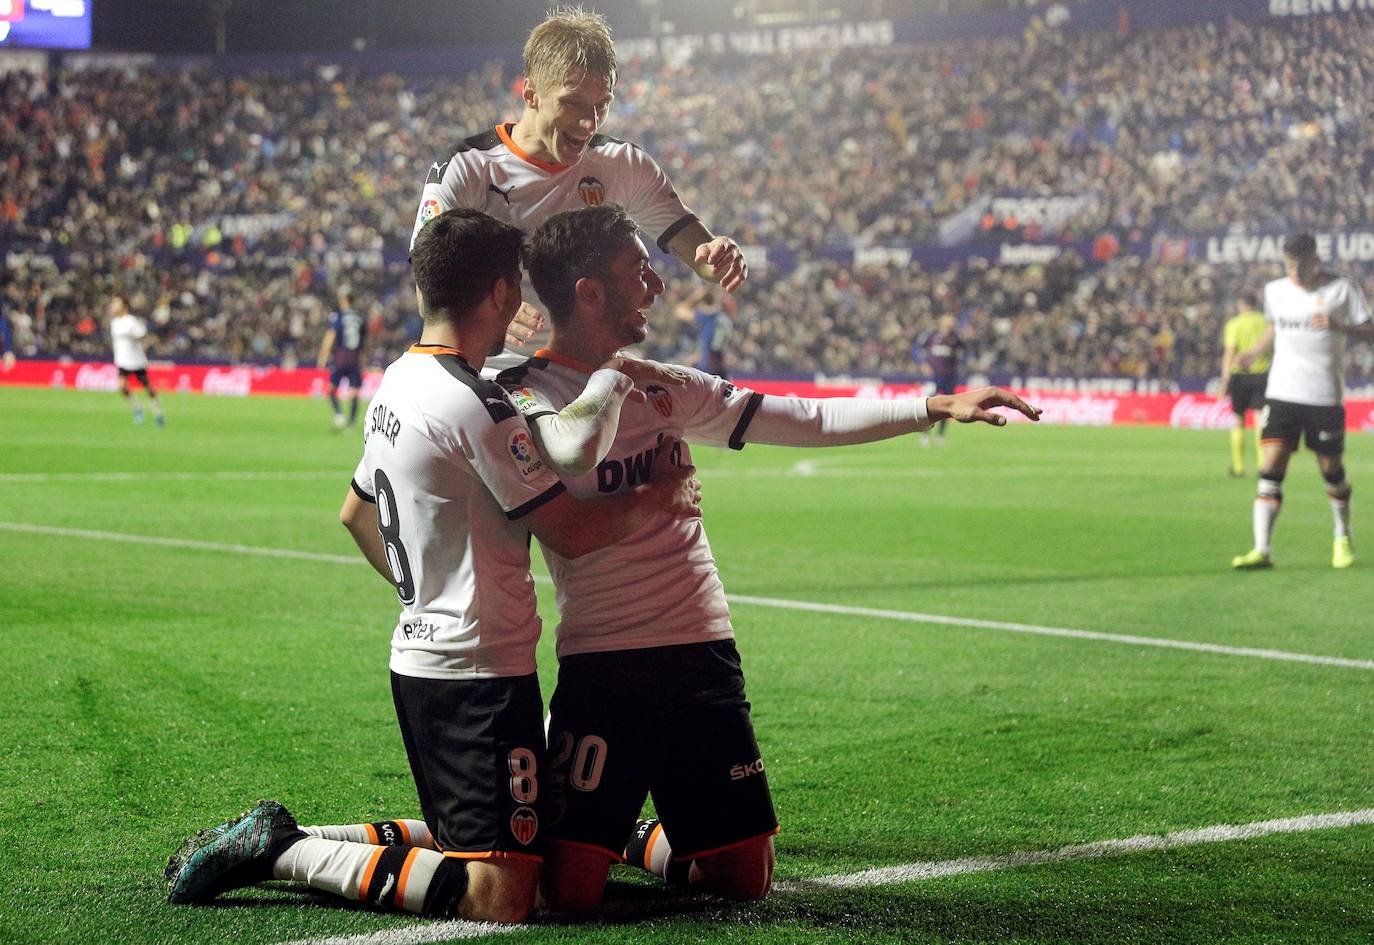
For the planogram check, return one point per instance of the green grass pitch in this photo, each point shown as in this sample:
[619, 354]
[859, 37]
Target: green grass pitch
[152, 690]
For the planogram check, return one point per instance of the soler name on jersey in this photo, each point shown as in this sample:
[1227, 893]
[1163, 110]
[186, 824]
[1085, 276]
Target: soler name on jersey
[384, 422]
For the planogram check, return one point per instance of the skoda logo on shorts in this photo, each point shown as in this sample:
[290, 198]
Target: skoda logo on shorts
[524, 824]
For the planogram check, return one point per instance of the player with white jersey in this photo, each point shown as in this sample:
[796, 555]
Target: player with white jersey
[650, 696]
[1310, 313]
[553, 159]
[448, 491]
[127, 332]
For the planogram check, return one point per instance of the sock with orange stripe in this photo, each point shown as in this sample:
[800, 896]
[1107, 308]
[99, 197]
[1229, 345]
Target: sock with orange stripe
[649, 850]
[1267, 504]
[407, 879]
[387, 833]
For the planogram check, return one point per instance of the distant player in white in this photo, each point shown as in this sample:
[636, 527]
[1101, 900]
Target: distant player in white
[442, 504]
[650, 695]
[127, 332]
[553, 159]
[1310, 313]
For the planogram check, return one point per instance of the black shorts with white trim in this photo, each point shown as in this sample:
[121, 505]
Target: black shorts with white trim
[670, 721]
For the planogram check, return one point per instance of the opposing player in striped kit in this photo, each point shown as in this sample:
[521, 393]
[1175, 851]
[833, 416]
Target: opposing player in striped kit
[650, 696]
[442, 504]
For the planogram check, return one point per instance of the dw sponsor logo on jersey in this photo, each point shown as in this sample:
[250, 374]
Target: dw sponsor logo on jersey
[524, 824]
[592, 190]
[523, 454]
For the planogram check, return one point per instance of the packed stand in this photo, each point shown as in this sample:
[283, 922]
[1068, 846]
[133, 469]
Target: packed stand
[230, 210]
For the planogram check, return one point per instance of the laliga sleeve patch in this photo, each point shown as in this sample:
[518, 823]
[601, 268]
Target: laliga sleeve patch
[523, 398]
[522, 453]
[429, 209]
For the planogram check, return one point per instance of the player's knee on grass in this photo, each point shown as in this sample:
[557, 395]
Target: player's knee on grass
[574, 878]
[500, 891]
[744, 873]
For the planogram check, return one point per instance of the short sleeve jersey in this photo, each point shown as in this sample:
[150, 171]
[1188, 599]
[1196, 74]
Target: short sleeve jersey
[126, 338]
[349, 332]
[491, 173]
[658, 586]
[1309, 363]
[1241, 334]
[452, 467]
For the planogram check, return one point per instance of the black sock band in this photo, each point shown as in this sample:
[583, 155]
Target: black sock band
[389, 833]
[446, 889]
[386, 876]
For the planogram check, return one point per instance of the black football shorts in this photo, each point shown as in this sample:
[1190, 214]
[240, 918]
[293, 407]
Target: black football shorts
[476, 749]
[1247, 391]
[671, 721]
[1321, 428]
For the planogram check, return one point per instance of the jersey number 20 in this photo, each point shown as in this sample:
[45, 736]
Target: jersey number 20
[390, 527]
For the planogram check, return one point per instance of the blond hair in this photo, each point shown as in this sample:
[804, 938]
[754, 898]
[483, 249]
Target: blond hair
[569, 44]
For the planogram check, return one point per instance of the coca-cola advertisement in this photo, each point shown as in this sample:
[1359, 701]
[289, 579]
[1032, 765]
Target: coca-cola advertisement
[1185, 411]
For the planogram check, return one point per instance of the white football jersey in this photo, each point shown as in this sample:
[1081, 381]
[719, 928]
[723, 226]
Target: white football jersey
[1309, 363]
[452, 468]
[658, 586]
[490, 172]
[126, 338]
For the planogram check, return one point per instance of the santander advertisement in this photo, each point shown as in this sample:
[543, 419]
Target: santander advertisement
[1186, 411]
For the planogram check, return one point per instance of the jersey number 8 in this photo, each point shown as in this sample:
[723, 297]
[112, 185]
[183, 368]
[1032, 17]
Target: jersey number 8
[390, 527]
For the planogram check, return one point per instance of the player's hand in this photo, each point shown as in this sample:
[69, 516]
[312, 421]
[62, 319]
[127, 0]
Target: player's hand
[7, 361]
[645, 373]
[1244, 360]
[675, 489]
[726, 260]
[528, 322]
[975, 406]
[1320, 322]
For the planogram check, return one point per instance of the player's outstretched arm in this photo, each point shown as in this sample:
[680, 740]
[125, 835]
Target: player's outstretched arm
[714, 258]
[573, 527]
[975, 406]
[360, 518]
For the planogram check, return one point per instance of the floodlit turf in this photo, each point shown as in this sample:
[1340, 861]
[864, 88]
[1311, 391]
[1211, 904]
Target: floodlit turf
[154, 690]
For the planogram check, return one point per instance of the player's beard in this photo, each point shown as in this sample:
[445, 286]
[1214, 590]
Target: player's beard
[622, 318]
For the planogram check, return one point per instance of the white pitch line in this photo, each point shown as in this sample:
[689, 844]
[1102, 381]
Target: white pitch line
[905, 616]
[1141, 843]
[912, 617]
[223, 476]
[180, 543]
[421, 933]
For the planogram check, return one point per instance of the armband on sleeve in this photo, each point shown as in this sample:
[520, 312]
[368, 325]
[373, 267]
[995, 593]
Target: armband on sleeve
[579, 436]
[835, 421]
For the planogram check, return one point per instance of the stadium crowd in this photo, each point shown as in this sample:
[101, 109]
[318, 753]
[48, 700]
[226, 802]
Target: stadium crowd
[230, 209]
